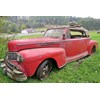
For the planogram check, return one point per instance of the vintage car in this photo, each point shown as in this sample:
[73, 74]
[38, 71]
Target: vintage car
[38, 56]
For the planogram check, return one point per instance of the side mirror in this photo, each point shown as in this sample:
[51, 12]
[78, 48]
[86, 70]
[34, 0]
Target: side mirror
[64, 36]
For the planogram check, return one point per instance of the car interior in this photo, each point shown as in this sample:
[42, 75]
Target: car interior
[76, 34]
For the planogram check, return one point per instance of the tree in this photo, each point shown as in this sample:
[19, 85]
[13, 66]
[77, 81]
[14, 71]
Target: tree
[22, 22]
[2, 22]
[23, 26]
[12, 27]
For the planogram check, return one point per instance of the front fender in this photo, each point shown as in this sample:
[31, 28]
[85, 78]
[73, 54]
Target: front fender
[34, 57]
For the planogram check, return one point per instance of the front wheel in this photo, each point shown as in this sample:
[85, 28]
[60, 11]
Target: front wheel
[44, 69]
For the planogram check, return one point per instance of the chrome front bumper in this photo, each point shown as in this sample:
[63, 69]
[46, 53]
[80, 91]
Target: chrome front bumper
[10, 70]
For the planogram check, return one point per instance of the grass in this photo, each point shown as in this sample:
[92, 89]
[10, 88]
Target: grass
[41, 29]
[3, 47]
[87, 72]
[31, 36]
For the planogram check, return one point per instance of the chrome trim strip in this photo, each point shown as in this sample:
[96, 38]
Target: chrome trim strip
[38, 43]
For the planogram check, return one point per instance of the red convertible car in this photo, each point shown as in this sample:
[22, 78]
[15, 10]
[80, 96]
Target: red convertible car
[58, 46]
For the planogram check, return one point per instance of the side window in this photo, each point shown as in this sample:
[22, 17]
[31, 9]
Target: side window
[77, 34]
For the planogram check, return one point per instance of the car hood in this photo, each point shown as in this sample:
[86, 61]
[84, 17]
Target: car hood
[17, 45]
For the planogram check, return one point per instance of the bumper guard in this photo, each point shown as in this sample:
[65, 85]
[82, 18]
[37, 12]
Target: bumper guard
[10, 70]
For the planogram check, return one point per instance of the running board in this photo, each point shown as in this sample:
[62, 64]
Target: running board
[69, 59]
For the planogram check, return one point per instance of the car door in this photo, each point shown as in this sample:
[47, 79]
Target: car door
[74, 47]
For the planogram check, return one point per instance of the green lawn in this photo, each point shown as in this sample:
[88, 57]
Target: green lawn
[87, 72]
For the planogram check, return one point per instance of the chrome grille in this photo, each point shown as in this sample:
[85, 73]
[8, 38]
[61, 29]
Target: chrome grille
[12, 56]
[9, 65]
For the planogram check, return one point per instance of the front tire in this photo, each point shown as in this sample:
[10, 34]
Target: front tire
[44, 70]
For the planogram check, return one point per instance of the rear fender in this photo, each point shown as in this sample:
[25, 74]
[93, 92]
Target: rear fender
[92, 43]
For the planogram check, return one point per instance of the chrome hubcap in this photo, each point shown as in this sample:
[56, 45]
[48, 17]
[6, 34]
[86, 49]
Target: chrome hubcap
[45, 70]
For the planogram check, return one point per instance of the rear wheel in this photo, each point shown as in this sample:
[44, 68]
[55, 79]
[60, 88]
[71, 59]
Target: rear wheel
[93, 50]
[44, 69]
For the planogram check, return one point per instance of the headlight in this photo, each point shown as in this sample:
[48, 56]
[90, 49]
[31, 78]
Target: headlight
[20, 58]
[11, 56]
[14, 56]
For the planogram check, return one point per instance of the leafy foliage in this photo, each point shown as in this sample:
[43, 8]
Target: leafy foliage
[3, 45]
[17, 23]
[2, 22]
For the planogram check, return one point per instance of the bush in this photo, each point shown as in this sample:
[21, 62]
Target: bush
[3, 45]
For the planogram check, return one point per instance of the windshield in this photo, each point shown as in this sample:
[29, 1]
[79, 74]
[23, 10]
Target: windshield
[56, 33]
